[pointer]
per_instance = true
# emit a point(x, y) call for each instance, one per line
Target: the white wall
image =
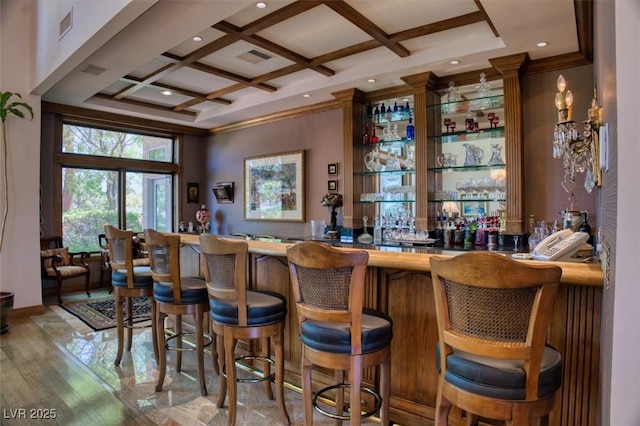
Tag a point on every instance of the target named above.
point(20, 256)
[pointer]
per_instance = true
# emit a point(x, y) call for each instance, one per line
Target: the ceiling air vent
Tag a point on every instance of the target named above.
point(93, 70)
point(254, 56)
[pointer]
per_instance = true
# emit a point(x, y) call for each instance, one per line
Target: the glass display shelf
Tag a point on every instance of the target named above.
point(387, 201)
point(464, 200)
point(464, 136)
point(385, 172)
point(390, 117)
point(470, 105)
point(482, 167)
point(397, 143)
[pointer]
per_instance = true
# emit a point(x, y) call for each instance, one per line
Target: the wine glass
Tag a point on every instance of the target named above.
point(516, 238)
point(453, 126)
point(447, 123)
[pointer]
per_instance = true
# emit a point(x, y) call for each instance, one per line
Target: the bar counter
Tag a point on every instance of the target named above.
point(399, 283)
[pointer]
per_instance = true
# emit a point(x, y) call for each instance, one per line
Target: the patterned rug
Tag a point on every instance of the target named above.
point(100, 314)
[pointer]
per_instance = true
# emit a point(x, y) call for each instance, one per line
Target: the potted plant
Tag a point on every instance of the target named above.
point(10, 104)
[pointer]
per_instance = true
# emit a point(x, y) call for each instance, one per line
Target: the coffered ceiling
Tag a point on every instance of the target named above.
point(253, 61)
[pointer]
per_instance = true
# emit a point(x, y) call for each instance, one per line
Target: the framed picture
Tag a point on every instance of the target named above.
point(223, 191)
point(332, 185)
point(274, 187)
point(193, 192)
point(473, 208)
point(332, 169)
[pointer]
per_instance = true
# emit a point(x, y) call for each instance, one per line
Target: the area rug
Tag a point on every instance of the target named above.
point(100, 314)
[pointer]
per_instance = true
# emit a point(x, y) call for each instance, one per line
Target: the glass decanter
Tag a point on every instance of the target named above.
point(365, 237)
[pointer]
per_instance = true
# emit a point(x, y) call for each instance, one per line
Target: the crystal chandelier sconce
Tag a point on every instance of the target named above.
point(578, 152)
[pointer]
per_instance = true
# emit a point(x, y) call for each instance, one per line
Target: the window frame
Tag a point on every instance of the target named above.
point(172, 167)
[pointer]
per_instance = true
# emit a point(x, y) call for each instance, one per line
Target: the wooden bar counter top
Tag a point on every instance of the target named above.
point(399, 283)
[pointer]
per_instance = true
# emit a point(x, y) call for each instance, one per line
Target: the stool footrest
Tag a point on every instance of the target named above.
point(324, 412)
point(257, 379)
point(207, 337)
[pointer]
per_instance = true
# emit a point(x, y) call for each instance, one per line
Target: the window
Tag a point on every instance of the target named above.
point(132, 189)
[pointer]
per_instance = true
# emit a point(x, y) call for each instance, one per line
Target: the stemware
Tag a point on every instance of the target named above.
point(447, 123)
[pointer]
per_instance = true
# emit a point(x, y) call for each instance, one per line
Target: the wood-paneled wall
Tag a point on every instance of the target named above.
point(405, 293)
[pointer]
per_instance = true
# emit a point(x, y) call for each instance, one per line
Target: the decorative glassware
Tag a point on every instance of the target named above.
point(203, 216)
point(496, 155)
point(365, 237)
point(411, 130)
point(366, 138)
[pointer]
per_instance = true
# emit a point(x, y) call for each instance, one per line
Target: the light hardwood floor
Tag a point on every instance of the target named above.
point(54, 364)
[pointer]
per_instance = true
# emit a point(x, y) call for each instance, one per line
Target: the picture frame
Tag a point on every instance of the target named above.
point(193, 192)
point(223, 191)
point(474, 208)
point(274, 187)
point(332, 185)
point(332, 169)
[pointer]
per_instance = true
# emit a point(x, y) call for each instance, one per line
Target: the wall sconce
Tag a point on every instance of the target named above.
point(579, 153)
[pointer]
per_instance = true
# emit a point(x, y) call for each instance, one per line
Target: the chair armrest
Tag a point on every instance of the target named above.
point(54, 259)
point(84, 256)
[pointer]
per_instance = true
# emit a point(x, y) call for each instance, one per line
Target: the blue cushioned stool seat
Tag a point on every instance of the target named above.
point(192, 290)
point(504, 379)
point(141, 277)
point(336, 338)
point(263, 307)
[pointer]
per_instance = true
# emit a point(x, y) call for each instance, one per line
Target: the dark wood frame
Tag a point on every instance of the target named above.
point(193, 198)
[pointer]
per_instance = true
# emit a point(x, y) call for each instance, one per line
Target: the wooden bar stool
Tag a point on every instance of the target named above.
point(493, 314)
point(176, 295)
point(128, 281)
point(336, 331)
point(239, 313)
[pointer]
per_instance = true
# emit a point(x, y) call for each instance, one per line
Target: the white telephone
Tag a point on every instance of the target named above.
point(560, 246)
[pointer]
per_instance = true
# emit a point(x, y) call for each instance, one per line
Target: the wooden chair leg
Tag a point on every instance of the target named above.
point(307, 393)
point(443, 406)
point(339, 378)
point(199, 319)
point(162, 351)
point(129, 303)
point(154, 329)
point(278, 341)
point(120, 327)
point(222, 359)
point(232, 385)
point(86, 284)
point(266, 366)
point(385, 391)
point(178, 329)
point(356, 381)
point(214, 347)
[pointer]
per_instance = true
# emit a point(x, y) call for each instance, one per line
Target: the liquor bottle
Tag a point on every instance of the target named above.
point(374, 138)
point(377, 231)
point(366, 138)
point(411, 131)
point(585, 227)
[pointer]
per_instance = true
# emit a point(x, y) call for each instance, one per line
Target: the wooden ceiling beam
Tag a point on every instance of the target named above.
point(359, 20)
point(273, 47)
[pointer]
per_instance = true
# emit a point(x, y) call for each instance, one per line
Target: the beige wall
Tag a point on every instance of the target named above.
point(20, 255)
point(320, 135)
point(544, 196)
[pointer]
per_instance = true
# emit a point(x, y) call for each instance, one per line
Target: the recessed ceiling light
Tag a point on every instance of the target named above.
point(306, 95)
point(542, 44)
point(454, 62)
point(167, 92)
point(196, 38)
point(372, 80)
point(261, 5)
